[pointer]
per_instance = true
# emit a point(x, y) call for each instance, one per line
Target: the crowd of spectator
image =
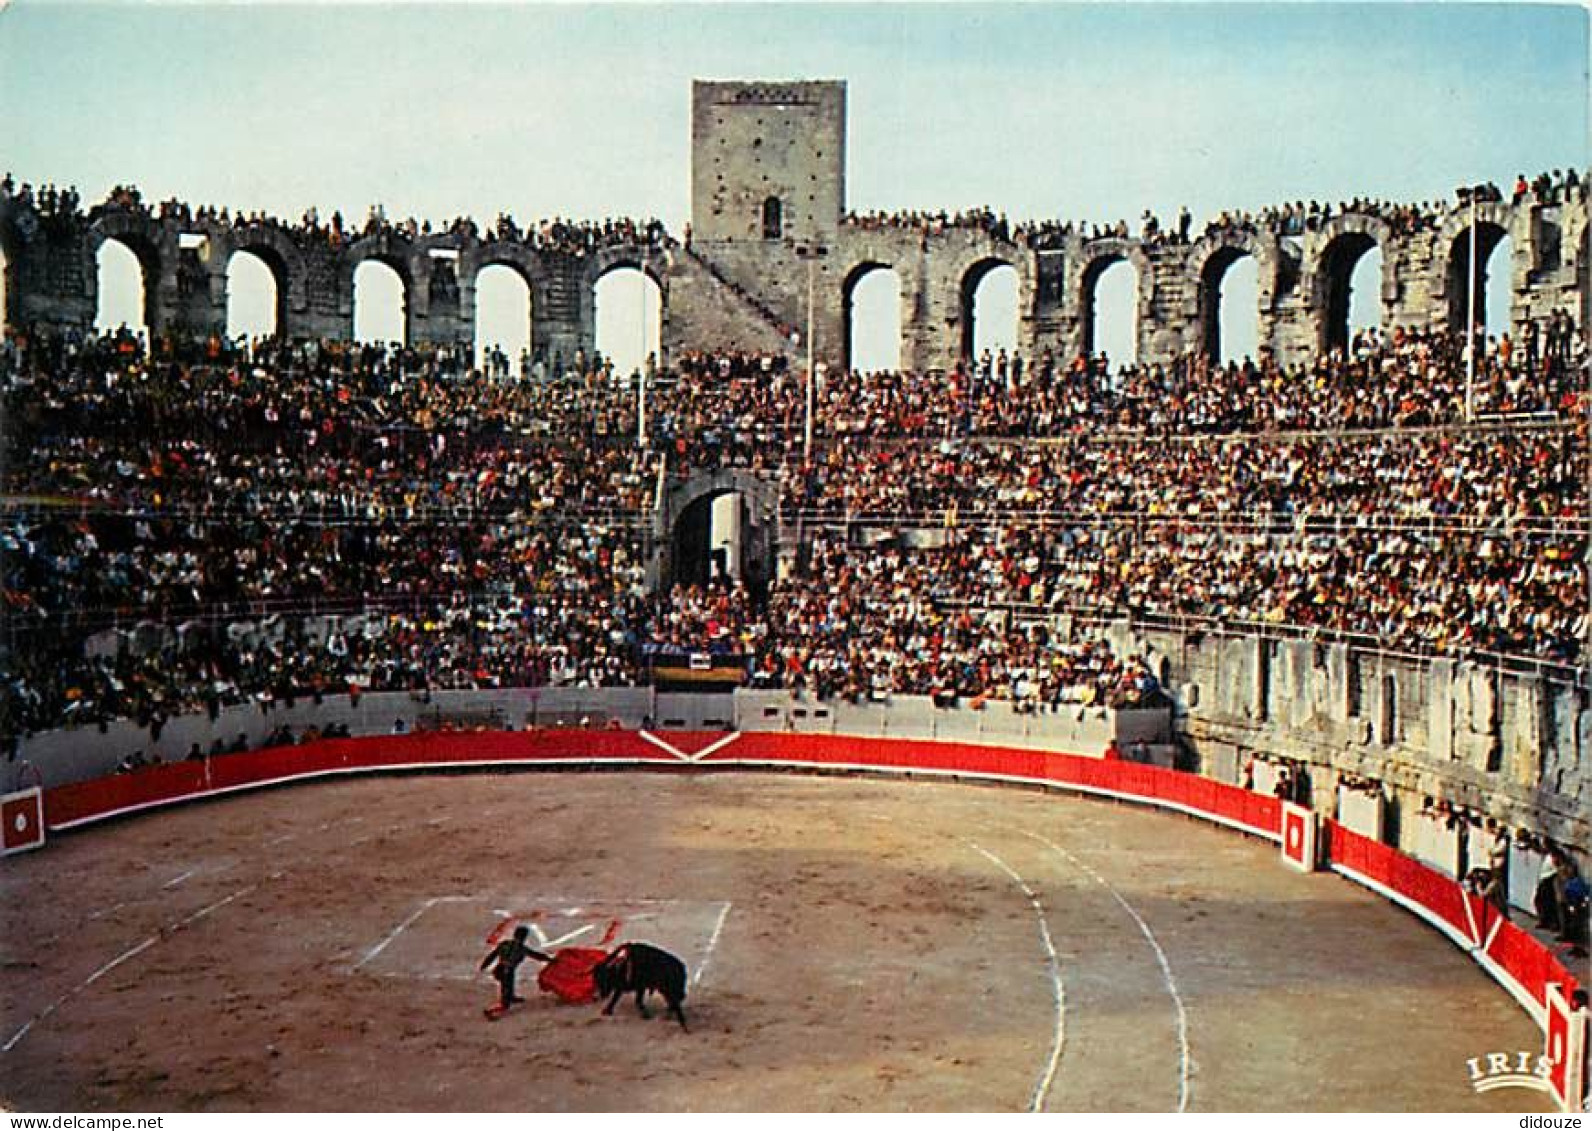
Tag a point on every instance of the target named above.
point(1509, 478)
point(1291, 219)
point(488, 531)
point(559, 236)
point(867, 623)
point(1404, 378)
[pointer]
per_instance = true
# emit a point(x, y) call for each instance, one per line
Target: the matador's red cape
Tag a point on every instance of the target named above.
point(569, 975)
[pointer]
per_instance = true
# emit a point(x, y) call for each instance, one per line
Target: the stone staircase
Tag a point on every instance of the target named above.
point(719, 314)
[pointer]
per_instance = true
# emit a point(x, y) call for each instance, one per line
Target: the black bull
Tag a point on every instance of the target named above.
point(643, 969)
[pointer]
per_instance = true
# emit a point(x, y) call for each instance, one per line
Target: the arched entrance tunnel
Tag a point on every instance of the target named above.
point(707, 541)
point(719, 528)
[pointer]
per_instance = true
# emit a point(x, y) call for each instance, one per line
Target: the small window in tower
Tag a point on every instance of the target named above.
point(772, 218)
point(757, 143)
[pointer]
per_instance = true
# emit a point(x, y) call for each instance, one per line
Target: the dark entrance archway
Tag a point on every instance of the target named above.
point(704, 551)
point(691, 548)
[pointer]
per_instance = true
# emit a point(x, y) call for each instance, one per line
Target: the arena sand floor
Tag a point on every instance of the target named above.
point(853, 944)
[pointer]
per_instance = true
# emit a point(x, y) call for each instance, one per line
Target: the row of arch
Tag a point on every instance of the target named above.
point(1352, 279)
point(628, 304)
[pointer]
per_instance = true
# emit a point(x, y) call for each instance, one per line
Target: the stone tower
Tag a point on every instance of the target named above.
point(768, 160)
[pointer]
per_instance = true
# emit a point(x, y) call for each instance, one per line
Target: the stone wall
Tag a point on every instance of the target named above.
point(735, 281)
point(768, 160)
point(1515, 744)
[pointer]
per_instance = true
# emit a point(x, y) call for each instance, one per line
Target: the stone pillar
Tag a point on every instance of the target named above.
point(1440, 710)
point(1335, 702)
point(1524, 726)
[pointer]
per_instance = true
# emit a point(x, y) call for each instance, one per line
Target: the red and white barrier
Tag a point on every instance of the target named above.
point(1526, 968)
point(1298, 837)
point(1566, 1050)
point(22, 819)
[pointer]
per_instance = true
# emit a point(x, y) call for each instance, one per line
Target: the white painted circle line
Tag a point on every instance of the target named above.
point(713, 942)
point(1058, 988)
point(1184, 1059)
point(131, 952)
point(396, 931)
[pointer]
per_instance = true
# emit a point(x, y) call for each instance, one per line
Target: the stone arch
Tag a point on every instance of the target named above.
point(522, 260)
point(1207, 264)
point(652, 263)
point(386, 247)
point(1097, 257)
point(1332, 257)
point(971, 276)
point(1457, 223)
point(374, 252)
point(141, 235)
point(282, 257)
point(1494, 223)
point(510, 320)
point(848, 287)
point(242, 270)
point(649, 261)
point(760, 536)
point(391, 250)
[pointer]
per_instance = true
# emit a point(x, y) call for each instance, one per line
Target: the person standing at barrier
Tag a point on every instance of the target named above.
point(1565, 872)
point(1488, 885)
point(1498, 863)
point(1575, 914)
point(1547, 900)
point(508, 955)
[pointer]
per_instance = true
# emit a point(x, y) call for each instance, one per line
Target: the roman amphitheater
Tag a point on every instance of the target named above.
point(1022, 732)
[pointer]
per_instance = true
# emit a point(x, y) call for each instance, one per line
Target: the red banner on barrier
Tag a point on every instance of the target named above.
point(153, 785)
point(1439, 894)
point(162, 785)
point(1529, 962)
point(1252, 811)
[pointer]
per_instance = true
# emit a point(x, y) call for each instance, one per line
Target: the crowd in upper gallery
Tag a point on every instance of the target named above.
point(1290, 219)
point(572, 237)
point(557, 235)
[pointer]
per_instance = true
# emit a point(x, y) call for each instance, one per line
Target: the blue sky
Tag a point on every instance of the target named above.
point(1087, 111)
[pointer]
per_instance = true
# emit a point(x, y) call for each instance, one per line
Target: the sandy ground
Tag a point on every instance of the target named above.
point(853, 943)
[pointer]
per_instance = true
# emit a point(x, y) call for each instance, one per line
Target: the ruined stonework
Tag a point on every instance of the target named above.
point(768, 160)
point(768, 172)
point(1512, 742)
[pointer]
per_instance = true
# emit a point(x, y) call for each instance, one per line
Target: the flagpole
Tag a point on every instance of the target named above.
point(1470, 319)
point(811, 253)
point(641, 365)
